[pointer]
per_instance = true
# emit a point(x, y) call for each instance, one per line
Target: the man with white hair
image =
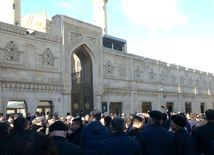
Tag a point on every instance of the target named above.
point(39, 125)
point(58, 131)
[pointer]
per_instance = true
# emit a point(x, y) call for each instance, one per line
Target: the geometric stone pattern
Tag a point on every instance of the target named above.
point(48, 58)
point(109, 67)
point(11, 52)
point(74, 35)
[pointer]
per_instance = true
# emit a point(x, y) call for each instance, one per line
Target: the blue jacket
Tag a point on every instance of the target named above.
point(119, 143)
point(92, 134)
point(155, 139)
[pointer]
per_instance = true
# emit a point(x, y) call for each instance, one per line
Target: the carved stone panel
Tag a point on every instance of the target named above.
point(11, 52)
point(48, 58)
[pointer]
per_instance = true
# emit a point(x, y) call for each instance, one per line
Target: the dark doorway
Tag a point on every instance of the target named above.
point(115, 108)
point(45, 106)
point(169, 106)
point(146, 106)
point(202, 108)
point(82, 82)
point(188, 107)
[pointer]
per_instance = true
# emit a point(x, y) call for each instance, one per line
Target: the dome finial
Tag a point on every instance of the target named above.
point(44, 12)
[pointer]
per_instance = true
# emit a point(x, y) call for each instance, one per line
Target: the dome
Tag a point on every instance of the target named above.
point(39, 22)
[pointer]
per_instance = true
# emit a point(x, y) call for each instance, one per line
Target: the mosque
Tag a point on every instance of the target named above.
point(61, 64)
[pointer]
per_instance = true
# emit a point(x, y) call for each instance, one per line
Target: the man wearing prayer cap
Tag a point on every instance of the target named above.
point(155, 139)
point(58, 132)
point(183, 142)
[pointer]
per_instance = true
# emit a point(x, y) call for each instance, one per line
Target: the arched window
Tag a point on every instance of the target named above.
point(48, 58)
point(11, 52)
point(17, 107)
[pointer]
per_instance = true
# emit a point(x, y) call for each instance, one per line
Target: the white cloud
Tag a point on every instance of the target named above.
point(154, 14)
point(75, 8)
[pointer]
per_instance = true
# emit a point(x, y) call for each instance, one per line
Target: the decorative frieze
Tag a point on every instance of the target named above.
point(48, 38)
point(12, 30)
point(30, 87)
point(37, 34)
point(108, 91)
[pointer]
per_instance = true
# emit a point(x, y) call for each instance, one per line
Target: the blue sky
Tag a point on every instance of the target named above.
point(174, 31)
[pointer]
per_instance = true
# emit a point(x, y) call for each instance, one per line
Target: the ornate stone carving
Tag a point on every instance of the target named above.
point(182, 79)
point(108, 91)
point(48, 58)
point(173, 77)
point(49, 38)
point(11, 52)
point(74, 35)
point(162, 75)
point(94, 40)
point(12, 30)
point(197, 82)
point(152, 74)
point(122, 69)
point(137, 72)
point(190, 81)
point(109, 67)
point(31, 87)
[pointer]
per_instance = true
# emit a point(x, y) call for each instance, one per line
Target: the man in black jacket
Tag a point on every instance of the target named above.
point(58, 133)
point(205, 135)
point(183, 142)
point(119, 143)
point(155, 139)
point(76, 127)
point(4, 131)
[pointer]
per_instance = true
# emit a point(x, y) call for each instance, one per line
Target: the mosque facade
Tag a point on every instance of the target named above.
point(61, 64)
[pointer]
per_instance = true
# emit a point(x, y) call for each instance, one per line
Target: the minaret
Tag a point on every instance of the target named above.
point(10, 11)
point(99, 14)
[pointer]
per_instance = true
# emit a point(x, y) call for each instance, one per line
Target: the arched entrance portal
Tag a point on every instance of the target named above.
point(82, 83)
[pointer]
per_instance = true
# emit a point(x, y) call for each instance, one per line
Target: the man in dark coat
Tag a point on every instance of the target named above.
point(58, 134)
point(183, 142)
point(4, 131)
point(107, 121)
point(119, 143)
point(205, 135)
point(155, 139)
point(136, 127)
point(76, 127)
point(166, 122)
point(93, 133)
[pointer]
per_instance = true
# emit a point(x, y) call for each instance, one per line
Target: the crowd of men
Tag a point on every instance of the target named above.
point(152, 133)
